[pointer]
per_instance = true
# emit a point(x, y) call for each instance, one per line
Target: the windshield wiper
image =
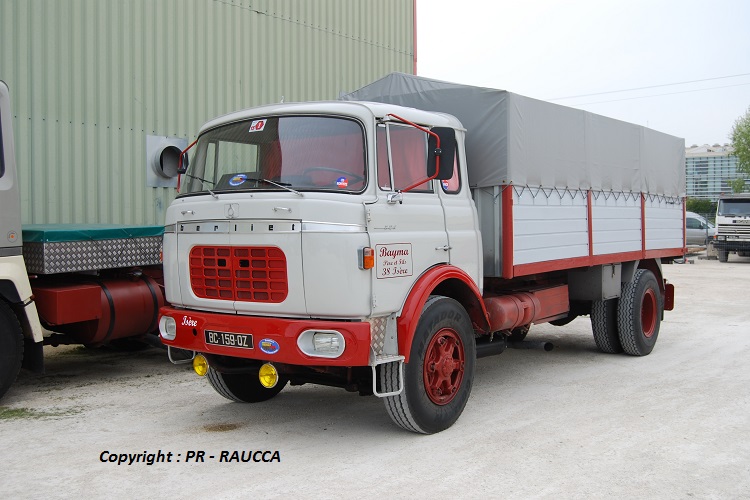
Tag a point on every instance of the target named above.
point(282, 186)
point(204, 182)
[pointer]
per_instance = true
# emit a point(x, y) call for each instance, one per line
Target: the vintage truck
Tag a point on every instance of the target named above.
point(383, 242)
point(89, 284)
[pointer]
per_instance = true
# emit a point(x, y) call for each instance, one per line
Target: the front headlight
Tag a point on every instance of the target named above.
point(167, 328)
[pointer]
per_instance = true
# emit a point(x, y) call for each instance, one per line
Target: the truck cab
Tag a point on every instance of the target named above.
point(732, 226)
point(299, 232)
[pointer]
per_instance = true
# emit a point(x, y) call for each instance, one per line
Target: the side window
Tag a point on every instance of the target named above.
point(452, 185)
point(384, 173)
point(409, 157)
point(2, 150)
point(692, 223)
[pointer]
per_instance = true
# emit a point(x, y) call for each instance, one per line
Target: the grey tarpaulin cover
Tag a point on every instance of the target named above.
point(512, 139)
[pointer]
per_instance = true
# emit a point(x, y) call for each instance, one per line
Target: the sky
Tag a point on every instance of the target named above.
point(555, 49)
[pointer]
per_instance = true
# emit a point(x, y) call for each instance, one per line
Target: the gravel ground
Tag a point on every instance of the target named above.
point(568, 423)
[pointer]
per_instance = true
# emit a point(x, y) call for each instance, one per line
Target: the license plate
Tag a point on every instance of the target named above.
point(227, 339)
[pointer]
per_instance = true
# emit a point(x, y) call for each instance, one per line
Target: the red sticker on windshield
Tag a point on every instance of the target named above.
point(342, 182)
point(257, 125)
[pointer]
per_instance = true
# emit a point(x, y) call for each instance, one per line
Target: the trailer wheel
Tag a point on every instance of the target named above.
point(604, 326)
point(243, 387)
point(440, 372)
point(11, 347)
point(639, 313)
point(723, 255)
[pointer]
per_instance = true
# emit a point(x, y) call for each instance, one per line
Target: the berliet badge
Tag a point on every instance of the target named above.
point(232, 210)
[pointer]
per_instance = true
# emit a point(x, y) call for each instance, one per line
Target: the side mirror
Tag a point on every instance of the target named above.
point(182, 166)
point(446, 154)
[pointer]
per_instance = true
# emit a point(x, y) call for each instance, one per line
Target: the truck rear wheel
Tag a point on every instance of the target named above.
point(440, 371)
point(639, 313)
point(11, 347)
point(243, 387)
point(604, 326)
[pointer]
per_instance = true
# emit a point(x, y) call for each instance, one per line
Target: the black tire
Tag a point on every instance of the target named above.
point(443, 357)
point(243, 387)
point(11, 347)
point(723, 255)
point(604, 326)
point(639, 313)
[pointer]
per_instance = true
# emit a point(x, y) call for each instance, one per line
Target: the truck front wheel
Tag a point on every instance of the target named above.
point(639, 313)
point(11, 347)
point(243, 387)
point(723, 255)
point(440, 371)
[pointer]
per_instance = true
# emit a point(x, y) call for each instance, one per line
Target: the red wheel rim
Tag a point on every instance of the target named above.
point(443, 366)
point(648, 313)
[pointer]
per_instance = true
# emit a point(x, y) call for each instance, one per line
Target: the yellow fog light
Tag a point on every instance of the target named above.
point(200, 365)
point(268, 376)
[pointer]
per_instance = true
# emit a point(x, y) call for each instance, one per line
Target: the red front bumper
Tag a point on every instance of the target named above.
point(191, 327)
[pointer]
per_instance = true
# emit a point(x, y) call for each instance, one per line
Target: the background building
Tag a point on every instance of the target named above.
point(94, 82)
point(709, 170)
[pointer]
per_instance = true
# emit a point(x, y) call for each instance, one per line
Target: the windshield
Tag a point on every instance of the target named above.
point(734, 207)
point(293, 153)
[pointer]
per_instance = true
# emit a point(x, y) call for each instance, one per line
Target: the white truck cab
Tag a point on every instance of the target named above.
point(732, 226)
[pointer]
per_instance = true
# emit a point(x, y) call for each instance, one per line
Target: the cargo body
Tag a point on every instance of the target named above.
point(384, 242)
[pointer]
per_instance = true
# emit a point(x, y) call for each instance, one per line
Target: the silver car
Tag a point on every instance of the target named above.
point(697, 229)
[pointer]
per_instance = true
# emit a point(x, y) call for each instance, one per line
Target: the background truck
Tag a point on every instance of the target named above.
point(74, 283)
point(383, 247)
point(732, 226)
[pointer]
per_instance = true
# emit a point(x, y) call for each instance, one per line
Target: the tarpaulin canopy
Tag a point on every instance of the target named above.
point(512, 139)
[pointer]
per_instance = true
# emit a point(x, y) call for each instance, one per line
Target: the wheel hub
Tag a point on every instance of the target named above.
point(649, 310)
point(443, 366)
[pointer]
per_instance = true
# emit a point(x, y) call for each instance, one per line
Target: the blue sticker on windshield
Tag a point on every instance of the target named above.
point(342, 182)
point(237, 180)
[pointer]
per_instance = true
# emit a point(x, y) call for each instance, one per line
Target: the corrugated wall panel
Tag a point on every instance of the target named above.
point(90, 79)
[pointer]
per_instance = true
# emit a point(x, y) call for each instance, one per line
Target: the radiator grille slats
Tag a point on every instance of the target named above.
point(246, 274)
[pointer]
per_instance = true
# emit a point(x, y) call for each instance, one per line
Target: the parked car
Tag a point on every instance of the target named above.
point(697, 229)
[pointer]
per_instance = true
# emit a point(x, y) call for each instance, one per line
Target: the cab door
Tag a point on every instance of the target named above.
point(10, 205)
point(406, 229)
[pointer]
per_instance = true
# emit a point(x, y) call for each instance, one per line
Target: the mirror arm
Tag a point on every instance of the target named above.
point(438, 151)
point(180, 170)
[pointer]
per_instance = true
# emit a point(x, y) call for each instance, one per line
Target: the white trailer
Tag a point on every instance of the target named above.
point(384, 242)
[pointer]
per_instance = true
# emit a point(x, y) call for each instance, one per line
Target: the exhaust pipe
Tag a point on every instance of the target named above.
point(492, 346)
point(531, 344)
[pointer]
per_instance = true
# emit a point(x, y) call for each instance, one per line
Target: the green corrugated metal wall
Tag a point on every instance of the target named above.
point(90, 79)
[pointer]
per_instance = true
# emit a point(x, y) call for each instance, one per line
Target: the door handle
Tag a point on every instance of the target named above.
point(444, 247)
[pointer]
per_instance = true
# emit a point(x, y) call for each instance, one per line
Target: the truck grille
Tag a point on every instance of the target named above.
point(738, 229)
point(247, 274)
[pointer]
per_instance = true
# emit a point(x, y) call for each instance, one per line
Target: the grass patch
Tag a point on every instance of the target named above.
point(28, 413)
